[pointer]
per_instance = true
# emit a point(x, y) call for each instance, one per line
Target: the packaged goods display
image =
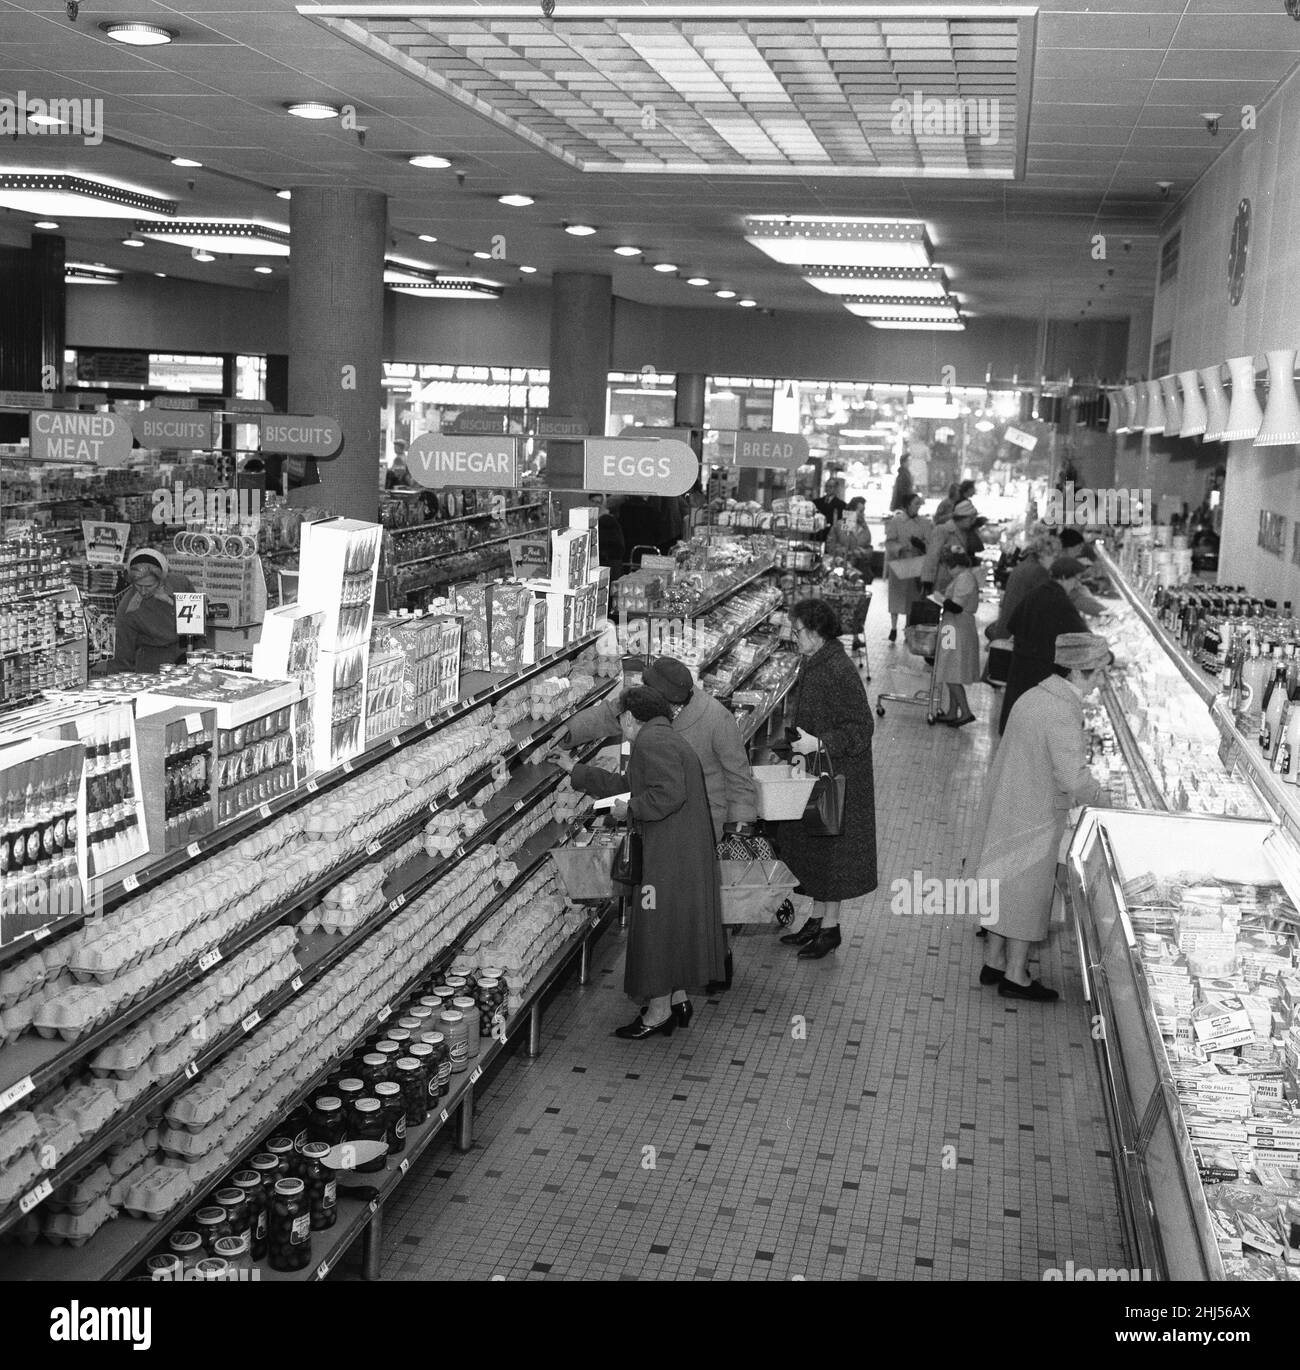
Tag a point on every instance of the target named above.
point(43, 642)
point(383, 694)
point(39, 870)
point(338, 567)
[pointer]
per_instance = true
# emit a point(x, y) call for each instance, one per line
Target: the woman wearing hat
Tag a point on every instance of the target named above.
point(906, 540)
point(675, 936)
point(956, 532)
point(1037, 621)
point(146, 614)
point(957, 662)
point(1039, 774)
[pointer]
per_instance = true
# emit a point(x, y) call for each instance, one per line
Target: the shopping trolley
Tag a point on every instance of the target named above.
point(922, 638)
point(850, 599)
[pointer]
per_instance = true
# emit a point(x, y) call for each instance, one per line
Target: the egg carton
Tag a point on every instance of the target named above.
point(17, 1175)
point(17, 1019)
point(152, 1191)
point(21, 979)
point(73, 1013)
point(77, 1194)
point(68, 1229)
point(87, 1106)
point(17, 1132)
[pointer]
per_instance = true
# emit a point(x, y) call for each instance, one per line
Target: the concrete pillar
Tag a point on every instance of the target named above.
point(582, 326)
point(32, 317)
point(336, 326)
point(688, 412)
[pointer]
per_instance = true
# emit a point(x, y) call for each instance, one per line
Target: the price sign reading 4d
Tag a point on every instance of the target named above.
point(191, 618)
point(437, 460)
point(638, 466)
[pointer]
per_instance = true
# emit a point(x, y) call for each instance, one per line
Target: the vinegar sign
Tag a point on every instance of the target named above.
point(436, 460)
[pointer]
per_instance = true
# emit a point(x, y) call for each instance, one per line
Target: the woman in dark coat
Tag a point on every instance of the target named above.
point(831, 708)
point(675, 937)
point(1035, 624)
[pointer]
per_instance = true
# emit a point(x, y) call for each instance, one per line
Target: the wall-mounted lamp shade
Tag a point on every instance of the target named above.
point(1112, 411)
point(1138, 423)
point(1128, 410)
point(1216, 403)
point(1173, 406)
point(1194, 415)
point(1244, 414)
point(1282, 412)
point(1155, 408)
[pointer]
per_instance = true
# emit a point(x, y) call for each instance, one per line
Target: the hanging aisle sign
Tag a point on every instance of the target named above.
point(638, 466)
point(760, 448)
point(475, 422)
point(298, 435)
point(175, 430)
point(437, 460)
point(67, 435)
point(557, 426)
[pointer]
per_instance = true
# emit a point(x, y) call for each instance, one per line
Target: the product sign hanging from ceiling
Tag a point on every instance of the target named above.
point(638, 466)
point(437, 460)
point(298, 435)
point(760, 448)
point(175, 430)
point(70, 436)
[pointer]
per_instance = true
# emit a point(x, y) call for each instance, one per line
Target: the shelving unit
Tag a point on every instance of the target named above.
point(462, 518)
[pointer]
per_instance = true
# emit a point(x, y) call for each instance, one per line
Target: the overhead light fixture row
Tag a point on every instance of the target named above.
point(923, 282)
point(628, 251)
point(185, 162)
point(239, 236)
point(429, 161)
point(52, 194)
point(828, 240)
point(451, 288)
point(920, 325)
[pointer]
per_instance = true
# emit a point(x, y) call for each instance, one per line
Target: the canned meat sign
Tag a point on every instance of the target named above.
point(437, 460)
point(96, 439)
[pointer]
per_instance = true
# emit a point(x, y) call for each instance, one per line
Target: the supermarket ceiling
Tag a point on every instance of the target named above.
point(1015, 132)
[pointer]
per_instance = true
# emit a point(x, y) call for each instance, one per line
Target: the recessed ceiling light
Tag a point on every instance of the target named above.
point(312, 109)
point(284, 194)
point(516, 201)
point(725, 294)
point(42, 120)
point(427, 238)
point(185, 161)
point(698, 280)
point(132, 242)
point(139, 35)
point(628, 251)
point(45, 223)
point(665, 267)
point(528, 270)
point(429, 161)
point(263, 270)
point(222, 235)
point(484, 256)
point(162, 275)
point(204, 257)
point(579, 230)
point(48, 193)
point(747, 304)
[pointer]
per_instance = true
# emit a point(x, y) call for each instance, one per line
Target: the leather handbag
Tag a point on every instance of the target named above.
point(628, 860)
point(823, 815)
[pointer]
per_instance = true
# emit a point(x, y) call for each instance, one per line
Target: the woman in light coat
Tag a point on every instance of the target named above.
point(1039, 774)
point(957, 660)
point(907, 536)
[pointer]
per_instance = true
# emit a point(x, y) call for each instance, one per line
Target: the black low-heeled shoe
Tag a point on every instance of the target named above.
point(636, 1030)
point(717, 986)
point(827, 940)
point(683, 1012)
point(804, 935)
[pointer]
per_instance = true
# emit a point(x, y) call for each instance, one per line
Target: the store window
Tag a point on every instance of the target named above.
point(185, 373)
point(1169, 254)
point(646, 399)
point(1160, 355)
point(250, 377)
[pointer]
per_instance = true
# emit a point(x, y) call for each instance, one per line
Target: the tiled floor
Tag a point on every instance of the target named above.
point(923, 1128)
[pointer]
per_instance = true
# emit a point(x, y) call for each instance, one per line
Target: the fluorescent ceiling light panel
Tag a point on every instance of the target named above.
point(54, 195)
point(452, 288)
point(921, 283)
point(236, 236)
point(628, 251)
point(898, 307)
point(919, 325)
point(823, 240)
point(579, 230)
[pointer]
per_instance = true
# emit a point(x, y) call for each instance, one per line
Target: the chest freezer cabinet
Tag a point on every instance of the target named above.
point(1166, 1216)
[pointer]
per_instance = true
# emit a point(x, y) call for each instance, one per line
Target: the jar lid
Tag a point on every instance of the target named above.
point(492, 972)
point(388, 1088)
point(429, 1001)
point(387, 1047)
point(408, 1023)
point(373, 1058)
point(213, 1268)
point(367, 1105)
point(168, 1260)
point(452, 1015)
point(184, 1242)
point(463, 1001)
point(288, 1187)
point(456, 982)
point(489, 982)
point(400, 1035)
point(230, 1246)
point(248, 1179)
point(327, 1103)
point(409, 1062)
point(314, 1151)
point(226, 1197)
point(278, 1145)
point(435, 1039)
point(421, 1011)
point(264, 1162)
point(208, 1216)
point(351, 1085)
point(443, 993)
point(419, 1050)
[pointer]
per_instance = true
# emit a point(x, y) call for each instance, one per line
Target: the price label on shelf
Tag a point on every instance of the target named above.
point(459, 852)
point(40, 933)
point(398, 901)
point(347, 768)
point(519, 804)
point(191, 1070)
point(374, 1205)
point(405, 1166)
point(265, 811)
point(395, 742)
point(452, 793)
point(20, 1089)
point(209, 958)
point(296, 984)
point(35, 1196)
point(132, 883)
point(442, 1117)
point(193, 723)
point(385, 1012)
point(193, 849)
point(475, 1074)
point(312, 786)
point(251, 1021)
point(595, 921)
point(374, 847)
point(322, 1270)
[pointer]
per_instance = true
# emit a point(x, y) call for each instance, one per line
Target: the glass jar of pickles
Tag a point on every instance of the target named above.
point(466, 1006)
point(491, 999)
point(210, 1223)
point(321, 1187)
point(234, 1202)
point(452, 1024)
point(440, 1068)
point(349, 1090)
point(375, 1066)
point(267, 1169)
point(367, 1125)
point(328, 1122)
point(255, 1198)
point(282, 1149)
point(289, 1233)
point(413, 1077)
point(393, 1107)
point(187, 1246)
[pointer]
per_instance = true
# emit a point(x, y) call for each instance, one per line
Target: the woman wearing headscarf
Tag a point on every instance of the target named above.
point(1039, 774)
point(906, 539)
point(831, 714)
point(675, 936)
point(957, 658)
point(146, 636)
point(1038, 620)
